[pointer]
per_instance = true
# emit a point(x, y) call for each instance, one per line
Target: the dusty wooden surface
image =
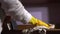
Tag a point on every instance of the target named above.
point(21, 27)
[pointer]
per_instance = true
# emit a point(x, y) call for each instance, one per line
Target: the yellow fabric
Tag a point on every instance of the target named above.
point(37, 22)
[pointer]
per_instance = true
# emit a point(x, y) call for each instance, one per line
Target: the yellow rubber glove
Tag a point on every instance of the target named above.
point(37, 22)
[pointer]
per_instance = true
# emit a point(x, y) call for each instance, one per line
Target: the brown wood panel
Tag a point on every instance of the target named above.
point(21, 27)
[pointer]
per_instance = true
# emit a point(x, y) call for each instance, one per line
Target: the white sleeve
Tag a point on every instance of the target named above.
point(15, 9)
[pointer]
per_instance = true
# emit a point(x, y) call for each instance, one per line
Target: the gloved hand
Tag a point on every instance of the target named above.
point(37, 22)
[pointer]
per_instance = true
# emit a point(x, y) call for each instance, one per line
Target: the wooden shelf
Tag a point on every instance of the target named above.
point(21, 27)
point(54, 30)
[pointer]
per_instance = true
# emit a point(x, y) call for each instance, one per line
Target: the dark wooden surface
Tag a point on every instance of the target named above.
point(21, 27)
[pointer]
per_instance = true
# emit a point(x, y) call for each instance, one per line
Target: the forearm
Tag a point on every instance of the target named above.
point(15, 9)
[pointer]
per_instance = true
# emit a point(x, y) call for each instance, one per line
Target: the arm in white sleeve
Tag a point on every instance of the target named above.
point(15, 9)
